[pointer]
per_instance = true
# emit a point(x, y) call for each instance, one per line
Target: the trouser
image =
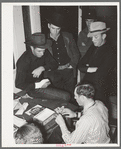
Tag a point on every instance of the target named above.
point(62, 79)
point(50, 93)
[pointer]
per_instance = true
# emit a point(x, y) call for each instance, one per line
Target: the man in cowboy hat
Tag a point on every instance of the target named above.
point(98, 61)
point(65, 52)
point(33, 64)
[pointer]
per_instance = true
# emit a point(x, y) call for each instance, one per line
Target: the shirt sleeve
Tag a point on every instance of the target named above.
point(50, 63)
point(21, 75)
point(75, 52)
point(82, 65)
point(78, 136)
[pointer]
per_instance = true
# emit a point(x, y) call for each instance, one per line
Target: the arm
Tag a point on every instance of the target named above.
point(83, 64)
point(75, 52)
point(50, 63)
point(21, 75)
point(79, 134)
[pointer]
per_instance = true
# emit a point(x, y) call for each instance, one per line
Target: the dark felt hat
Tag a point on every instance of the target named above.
point(56, 19)
point(90, 14)
point(39, 40)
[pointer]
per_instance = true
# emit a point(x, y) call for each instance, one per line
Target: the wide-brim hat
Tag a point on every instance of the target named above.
point(96, 28)
point(39, 40)
point(56, 19)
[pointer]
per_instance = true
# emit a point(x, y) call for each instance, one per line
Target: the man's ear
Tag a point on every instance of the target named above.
point(49, 25)
point(104, 36)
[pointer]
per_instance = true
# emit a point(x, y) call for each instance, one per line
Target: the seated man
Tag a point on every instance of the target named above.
point(29, 134)
point(32, 66)
point(92, 126)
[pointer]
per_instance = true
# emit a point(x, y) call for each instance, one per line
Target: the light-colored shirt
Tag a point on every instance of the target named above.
point(91, 128)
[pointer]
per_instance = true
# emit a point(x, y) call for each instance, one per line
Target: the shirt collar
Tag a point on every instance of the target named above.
point(33, 57)
point(88, 106)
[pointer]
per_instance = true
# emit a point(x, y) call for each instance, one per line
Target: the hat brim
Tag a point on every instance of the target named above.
point(44, 46)
point(98, 32)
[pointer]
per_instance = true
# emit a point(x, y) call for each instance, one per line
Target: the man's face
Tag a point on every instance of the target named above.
point(38, 52)
point(54, 30)
point(98, 39)
point(88, 22)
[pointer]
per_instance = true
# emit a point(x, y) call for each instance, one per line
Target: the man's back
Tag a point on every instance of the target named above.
point(95, 125)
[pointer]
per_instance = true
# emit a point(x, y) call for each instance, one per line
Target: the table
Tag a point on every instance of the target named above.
point(51, 104)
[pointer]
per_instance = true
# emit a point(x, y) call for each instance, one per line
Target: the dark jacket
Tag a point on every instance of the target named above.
point(27, 63)
point(101, 57)
point(72, 50)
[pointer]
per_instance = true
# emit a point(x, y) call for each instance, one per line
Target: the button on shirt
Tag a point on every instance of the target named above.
point(91, 128)
point(60, 52)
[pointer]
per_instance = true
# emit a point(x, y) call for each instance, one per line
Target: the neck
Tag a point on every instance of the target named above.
point(89, 104)
point(102, 43)
point(54, 37)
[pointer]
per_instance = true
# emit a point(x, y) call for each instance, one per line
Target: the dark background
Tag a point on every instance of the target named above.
point(107, 14)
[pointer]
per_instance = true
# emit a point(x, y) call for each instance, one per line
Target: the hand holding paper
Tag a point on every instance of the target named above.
point(42, 84)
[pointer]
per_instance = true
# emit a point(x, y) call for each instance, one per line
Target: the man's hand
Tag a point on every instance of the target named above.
point(59, 120)
point(42, 84)
point(37, 72)
point(68, 113)
point(92, 69)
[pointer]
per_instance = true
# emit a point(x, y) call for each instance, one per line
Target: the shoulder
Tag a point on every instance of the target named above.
point(24, 58)
point(67, 34)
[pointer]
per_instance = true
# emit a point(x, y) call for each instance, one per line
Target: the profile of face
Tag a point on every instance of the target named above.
point(98, 39)
point(54, 30)
point(88, 22)
point(38, 52)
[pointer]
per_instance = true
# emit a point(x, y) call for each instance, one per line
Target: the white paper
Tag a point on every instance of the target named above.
point(44, 114)
point(42, 82)
point(18, 121)
point(22, 108)
point(16, 104)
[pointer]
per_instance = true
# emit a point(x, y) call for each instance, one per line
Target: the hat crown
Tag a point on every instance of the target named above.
point(38, 39)
point(97, 26)
point(56, 19)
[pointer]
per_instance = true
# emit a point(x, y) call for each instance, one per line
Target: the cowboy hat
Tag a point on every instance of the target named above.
point(56, 19)
point(38, 40)
point(96, 28)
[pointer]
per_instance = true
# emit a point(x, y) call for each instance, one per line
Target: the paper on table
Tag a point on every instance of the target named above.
point(22, 108)
point(16, 104)
point(18, 121)
point(44, 114)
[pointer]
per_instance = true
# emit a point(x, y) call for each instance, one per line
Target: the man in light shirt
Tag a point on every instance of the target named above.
point(92, 126)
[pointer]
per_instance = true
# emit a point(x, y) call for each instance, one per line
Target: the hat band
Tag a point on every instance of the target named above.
point(98, 30)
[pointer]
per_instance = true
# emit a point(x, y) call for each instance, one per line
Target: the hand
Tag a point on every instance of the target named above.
point(70, 67)
point(59, 109)
point(46, 84)
point(83, 44)
point(69, 113)
point(92, 69)
point(59, 120)
point(37, 72)
point(42, 85)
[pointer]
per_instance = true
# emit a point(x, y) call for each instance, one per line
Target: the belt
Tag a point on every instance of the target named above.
point(63, 66)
